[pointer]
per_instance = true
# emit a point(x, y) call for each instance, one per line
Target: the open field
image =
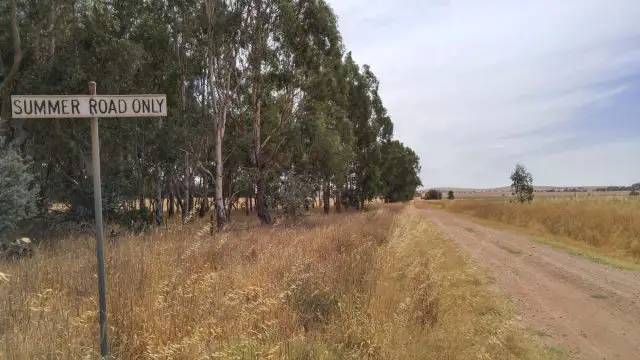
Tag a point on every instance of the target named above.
point(506, 195)
point(607, 226)
point(584, 309)
point(384, 284)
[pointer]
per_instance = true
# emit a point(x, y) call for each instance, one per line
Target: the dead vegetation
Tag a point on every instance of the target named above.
point(377, 285)
point(609, 226)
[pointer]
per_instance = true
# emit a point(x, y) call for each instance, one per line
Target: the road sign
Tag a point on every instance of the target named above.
point(87, 106)
point(91, 106)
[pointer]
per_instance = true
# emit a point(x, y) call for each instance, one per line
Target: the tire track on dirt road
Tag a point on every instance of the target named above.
point(591, 310)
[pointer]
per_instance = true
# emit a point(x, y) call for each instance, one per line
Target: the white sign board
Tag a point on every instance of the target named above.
point(87, 106)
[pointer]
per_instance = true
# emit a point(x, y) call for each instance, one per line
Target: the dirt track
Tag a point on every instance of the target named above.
point(592, 311)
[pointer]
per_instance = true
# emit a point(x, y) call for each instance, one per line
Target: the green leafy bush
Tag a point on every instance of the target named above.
point(433, 194)
point(18, 191)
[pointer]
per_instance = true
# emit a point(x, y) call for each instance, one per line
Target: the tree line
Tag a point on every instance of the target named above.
point(264, 104)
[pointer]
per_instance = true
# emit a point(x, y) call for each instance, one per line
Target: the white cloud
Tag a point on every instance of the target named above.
point(459, 78)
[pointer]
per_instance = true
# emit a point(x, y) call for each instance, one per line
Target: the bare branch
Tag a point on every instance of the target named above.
point(203, 168)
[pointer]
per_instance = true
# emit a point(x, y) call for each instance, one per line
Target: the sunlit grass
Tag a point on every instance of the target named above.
point(604, 226)
point(384, 284)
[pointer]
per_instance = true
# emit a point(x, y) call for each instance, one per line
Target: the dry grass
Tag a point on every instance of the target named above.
point(611, 226)
point(378, 285)
point(506, 195)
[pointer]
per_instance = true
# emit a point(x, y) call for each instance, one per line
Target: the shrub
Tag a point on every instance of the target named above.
point(433, 194)
point(450, 195)
point(136, 220)
point(18, 193)
point(293, 193)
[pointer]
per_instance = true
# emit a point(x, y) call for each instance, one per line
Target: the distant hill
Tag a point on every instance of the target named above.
point(635, 186)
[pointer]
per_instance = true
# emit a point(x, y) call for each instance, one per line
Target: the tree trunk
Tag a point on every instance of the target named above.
point(7, 84)
point(261, 201)
point(159, 199)
point(231, 200)
point(184, 206)
point(261, 204)
point(230, 206)
point(339, 200)
point(171, 203)
point(221, 218)
point(204, 204)
point(140, 150)
point(179, 204)
point(187, 195)
point(326, 196)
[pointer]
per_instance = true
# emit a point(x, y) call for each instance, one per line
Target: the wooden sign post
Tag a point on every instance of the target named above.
point(91, 106)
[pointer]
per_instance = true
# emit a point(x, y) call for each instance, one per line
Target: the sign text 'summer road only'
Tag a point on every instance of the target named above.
point(91, 106)
point(71, 106)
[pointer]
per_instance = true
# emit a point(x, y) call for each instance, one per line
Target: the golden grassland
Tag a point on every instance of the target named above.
point(608, 226)
point(506, 195)
point(383, 284)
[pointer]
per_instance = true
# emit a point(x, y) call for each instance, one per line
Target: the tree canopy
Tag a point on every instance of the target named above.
point(433, 194)
point(522, 184)
point(450, 195)
point(260, 93)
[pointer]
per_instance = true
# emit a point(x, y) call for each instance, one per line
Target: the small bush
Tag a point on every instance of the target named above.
point(18, 192)
point(136, 220)
point(433, 194)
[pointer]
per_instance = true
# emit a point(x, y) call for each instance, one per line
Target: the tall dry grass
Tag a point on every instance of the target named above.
point(378, 285)
point(611, 225)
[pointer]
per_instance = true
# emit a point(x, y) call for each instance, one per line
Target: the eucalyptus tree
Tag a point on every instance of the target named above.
point(225, 64)
point(401, 166)
point(263, 103)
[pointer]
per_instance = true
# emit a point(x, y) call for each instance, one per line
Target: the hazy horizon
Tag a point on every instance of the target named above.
point(475, 87)
point(536, 186)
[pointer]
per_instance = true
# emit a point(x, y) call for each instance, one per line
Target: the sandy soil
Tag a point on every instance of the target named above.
point(590, 310)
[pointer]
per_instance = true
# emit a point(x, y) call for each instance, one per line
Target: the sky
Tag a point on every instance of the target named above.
point(476, 86)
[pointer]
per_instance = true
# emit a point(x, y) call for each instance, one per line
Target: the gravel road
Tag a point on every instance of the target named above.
point(590, 310)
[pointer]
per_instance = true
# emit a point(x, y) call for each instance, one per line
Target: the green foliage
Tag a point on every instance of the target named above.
point(293, 192)
point(18, 192)
point(136, 220)
point(278, 72)
point(522, 184)
point(433, 194)
point(450, 195)
point(401, 167)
